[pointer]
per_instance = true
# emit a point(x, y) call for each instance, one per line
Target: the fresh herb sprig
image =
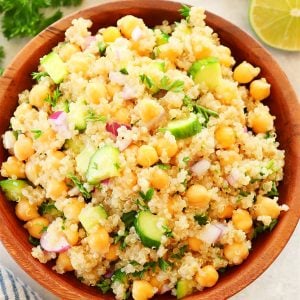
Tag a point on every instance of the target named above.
point(52, 99)
point(260, 227)
point(185, 11)
point(201, 219)
point(85, 193)
point(38, 75)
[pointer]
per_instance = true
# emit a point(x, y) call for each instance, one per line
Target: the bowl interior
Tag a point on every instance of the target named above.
point(283, 105)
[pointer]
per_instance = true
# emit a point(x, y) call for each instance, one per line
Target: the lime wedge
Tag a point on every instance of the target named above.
point(277, 22)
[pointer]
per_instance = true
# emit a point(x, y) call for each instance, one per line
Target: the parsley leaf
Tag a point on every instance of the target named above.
point(175, 86)
point(124, 71)
point(52, 100)
point(49, 208)
point(185, 11)
point(273, 192)
point(168, 232)
point(128, 219)
point(186, 159)
point(148, 196)
point(205, 112)
point(260, 228)
point(164, 265)
point(164, 166)
point(93, 117)
point(244, 194)
point(36, 133)
point(201, 219)
point(33, 241)
point(85, 193)
point(180, 252)
point(147, 81)
point(119, 276)
point(2, 55)
point(38, 75)
point(104, 285)
point(102, 48)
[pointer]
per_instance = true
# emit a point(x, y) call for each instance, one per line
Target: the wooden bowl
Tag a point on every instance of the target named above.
point(283, 104)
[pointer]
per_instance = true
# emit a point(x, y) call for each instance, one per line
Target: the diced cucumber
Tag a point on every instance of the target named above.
point(183, 288)
point(206, 71)
point(91, 216)
point(77, 115)
point(83, 159)
point(12, 188)
point(159, 65)
point(153, 72)
point(104, 163)
point(162, 38)
point(55, 67)
point(185, 128)
point(74, 144)
point(147, 227)
point(49, 209)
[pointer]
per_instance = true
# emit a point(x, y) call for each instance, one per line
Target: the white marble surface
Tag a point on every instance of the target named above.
point(281, 280)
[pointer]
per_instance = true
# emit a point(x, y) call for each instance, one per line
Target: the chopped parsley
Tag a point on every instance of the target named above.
point(128, 219)
point(168, 232)
point(186, 159)
point(93, 117)
point(180, 252)
point(205, 112)
point(38, 75)
point(33, 241)
point(185, 11)
point(85, 193)
point(102, 48)
point(164, 265)
point(49, 208)
point(52, 100)
point(201, 219)
point(119, 276)
point(175, 86)
point(147, 81)
point(273, 192)
point(36, 133)
point(124, 71)
point(148, 195)
point(260, 227)
point(164, 166)
point(244, 194)
point(104, 285)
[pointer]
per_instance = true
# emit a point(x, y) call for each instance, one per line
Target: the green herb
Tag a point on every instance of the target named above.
point(185, 11)
point(222, 270)
point(85, 193)
point(164, 166)
point(52, 100)
point(36, 133)
point(148, 196)
point(260, 227)
point(244, 194)
point(121, 239)
point(66, 106)
point(38, 75)
point(93, 117)
point(147, 81)
point(44, 229)
point(175, 86)
point(124, 71)
point(168, 232)
point(273, 192)
point(164, 265)
point(49, 208)
point(201, 219)
point(186, 159)
point(141, 204)
point(147, 266)
point(128, 219)
point(269, 134)
point(165, 36)
point(16, 133)
point(2, 55)
point(104, 285)
point(119, 276)
point(102, 48)
point(188, 102)
point(33, 241)
point(253, 180)
point(180, 252)
point(205, 112)
point(117, 166)
point(22, 18)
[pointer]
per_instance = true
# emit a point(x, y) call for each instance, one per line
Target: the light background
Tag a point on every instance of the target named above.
point(281, 280)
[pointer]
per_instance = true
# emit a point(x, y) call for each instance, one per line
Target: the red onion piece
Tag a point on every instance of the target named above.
point(114, 126)
point(88, 40)
point(201, 167)
point(109, 274)
point(128, 93)
point(105, 181)
point(233, 177)
point(54, 242)
point(55, 115)
point(117, 77)
point(210, 234)
point(59, 123)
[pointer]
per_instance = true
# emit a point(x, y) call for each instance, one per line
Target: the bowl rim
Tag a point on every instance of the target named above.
point(235, 282)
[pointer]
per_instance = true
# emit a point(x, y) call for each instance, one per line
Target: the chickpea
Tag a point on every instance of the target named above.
point(226, 213)
point(229, 157)
point(23, 147)
point(207, 276)
point(13, 168)
point(265, 206)
point(245, 72)
point(110, 34)
point(226, 91)
point(95, 91)
point(171, 205)
point(55, 158)
point(73, 208)
point(99, 240)
point(25, 211)
point(122, 115)
point(200, 49)
point(128, 23)
point(67, 50)
point(47, 136)
point(157, 283)
point(261, 121)
point(38, 94)
point(260, 89)
point(63, 262)
point(112, 253)
point(159, 179)
point(197, 195)
point(166, 51)
point(37, 226)
point(71, 235)
point(146, 156)
point(236, 253)
point(194, 244)
point(32, 170)
point(56, 189)
point(79, 63)
point(165, 146)
point(225, 137)
point(149, 110)
point(242, 220)
point(142, 290)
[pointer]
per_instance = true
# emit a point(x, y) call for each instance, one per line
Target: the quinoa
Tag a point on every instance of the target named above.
point(210, 191)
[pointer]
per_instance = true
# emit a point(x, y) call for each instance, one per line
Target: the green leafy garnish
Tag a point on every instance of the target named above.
point(186, 159)
point(2, 55)
point(52, 100)
point(201, 219)
point(49, 208)
point(168, 232)
point(175, 86)
point(66, 106)
point(205, 112)
point(93, 117)
point(104, 285)
point(128, 219)
point(22, 18)
point(148, 195)
point(164, 166)
point(33, 241)
point(273, 192)
point(260, 227)
point(147, 81)
point(85, 193)
point(244, 194)
point(119, 276)
point(180, 252)
point(164, 265)
point(102, 48)
point(185, 11)
point(36, 133)
point(147, 266)
point(38, 75)
point(124, 71)
point(269, 134)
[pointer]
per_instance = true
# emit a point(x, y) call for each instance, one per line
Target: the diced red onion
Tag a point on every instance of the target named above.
point(55, 115)
point(59, 123)
point(245, 129)
point(165, 288)
point(109, 274)
point(117, 77)
point(222, 227)
point(88, 40)
point(137, 33)
point(210, 234)
point(128, 92)
point(233, 177)
point(114, 126)
point(54, 242)
point(105, 181)
point(201, 167)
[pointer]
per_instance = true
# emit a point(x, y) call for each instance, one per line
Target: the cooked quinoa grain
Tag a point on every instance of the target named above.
point(143, 159)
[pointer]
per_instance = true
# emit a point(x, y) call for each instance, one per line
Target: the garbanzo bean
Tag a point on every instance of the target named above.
point(37, 226)
point(159, 178)
point(110, 34)
point(236, 253)
point(56, 189)
point(147, 156)
point(241, 219)
point(260, 89)
point(194, 244)
point(142, 290)
point(25, 211)
point(166, 147)
point(73, 208)
point(225, 137)
point(63, 262)
point(99, 240)
point(13, 168)
point(23, 147)
point(207, 276)
point(265, 206)
point(245, 72)
point(197, 195)
point(128, 23)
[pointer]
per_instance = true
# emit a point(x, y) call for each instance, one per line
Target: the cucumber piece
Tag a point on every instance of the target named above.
point(183, 288)
point(55, 67)
point(162, 38)
point(185, 128)
point(12, 188)
point(206, 71)
point(74, 144)
point(104, 163)
point(146, 226)
point(83, 159)
point(77, 115)
point(91, 216)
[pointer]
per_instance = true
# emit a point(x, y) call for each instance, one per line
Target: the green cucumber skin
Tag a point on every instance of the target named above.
point(90, 216)
point(12, 188)
point(103, 164)
point(55, 67)
point(83, 159)
point(78, 114)
point(183, 288)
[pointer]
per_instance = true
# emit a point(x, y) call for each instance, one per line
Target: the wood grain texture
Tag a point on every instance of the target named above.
point(283, 104)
